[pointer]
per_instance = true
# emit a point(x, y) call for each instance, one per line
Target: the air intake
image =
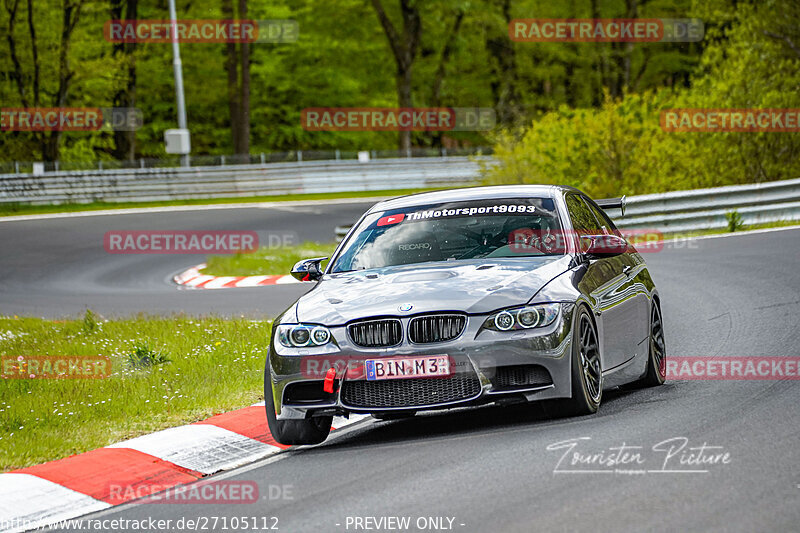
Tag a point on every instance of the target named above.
point(435, 328)
point(376, 333)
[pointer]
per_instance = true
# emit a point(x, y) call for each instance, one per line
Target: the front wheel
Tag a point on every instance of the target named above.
point(290, 432)
point(587, 371)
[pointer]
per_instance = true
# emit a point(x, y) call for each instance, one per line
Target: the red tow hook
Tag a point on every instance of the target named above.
point(330, 375)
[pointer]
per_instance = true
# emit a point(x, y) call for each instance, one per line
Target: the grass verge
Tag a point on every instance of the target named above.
point(718, 231)
point(164, 372)
point(266, 260)
point(23, 209)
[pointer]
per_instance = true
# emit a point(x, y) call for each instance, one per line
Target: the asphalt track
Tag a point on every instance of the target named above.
point(55, 267)
point(488, 469)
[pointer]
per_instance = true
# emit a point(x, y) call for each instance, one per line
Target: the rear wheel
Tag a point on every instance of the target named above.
point(657, 357)
point(587, 371)
point(306, 431)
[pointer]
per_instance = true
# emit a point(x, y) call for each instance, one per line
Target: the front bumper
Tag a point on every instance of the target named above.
point(489, 366)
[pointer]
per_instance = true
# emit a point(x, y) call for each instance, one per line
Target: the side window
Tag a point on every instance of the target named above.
point(583, 221)
point(602, 217)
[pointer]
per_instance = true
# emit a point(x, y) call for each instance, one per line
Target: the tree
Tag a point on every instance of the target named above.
point(237, 68)
point(125, 94)
point(404, 48)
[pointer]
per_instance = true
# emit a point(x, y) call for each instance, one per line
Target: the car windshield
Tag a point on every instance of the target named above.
point(451, 231)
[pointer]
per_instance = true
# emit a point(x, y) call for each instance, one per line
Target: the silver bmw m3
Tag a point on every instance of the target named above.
point(462, 297)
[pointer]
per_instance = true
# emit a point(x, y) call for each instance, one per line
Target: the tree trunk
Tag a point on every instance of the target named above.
point(404, 101)
point(72, 13)
point(633, 12)
point(125, 141)
point(404, 49)
point(19, 78)
point(34, 53)
point(504, 79)
point(231, 68)
point(244, 102)
point(447, 51)
point(597, 93)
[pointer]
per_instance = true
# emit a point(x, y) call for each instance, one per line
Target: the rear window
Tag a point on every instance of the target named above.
point(452, 231)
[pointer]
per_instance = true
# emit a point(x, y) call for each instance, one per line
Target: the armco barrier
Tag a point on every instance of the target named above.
point(669, 212)
point(163, 184)
point(681, 211)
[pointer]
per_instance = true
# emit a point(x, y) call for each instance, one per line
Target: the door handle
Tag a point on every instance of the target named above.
point(627, 270)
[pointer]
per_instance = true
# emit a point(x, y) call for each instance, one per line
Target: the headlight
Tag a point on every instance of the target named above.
point(531, 316)
point(299, 335)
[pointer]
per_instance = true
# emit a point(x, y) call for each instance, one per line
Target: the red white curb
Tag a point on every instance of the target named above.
point(195, 279)
point(45, 494)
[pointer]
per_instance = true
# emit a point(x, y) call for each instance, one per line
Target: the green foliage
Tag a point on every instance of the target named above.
point(89, 321)
point(585, 114)
point(619, 148)
point(735, 221)
point(342, 58)
point(143, 356)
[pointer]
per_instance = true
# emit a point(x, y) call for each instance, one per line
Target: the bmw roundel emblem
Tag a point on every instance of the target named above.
point(405, 308)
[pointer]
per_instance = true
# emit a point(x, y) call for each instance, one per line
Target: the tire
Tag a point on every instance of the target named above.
point(587, 374)
point(293, 432)
point(656, 372)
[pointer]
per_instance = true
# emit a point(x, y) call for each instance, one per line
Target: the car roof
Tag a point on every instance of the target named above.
point(471, 193)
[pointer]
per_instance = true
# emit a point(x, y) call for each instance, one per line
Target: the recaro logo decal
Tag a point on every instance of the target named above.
point(414, 246)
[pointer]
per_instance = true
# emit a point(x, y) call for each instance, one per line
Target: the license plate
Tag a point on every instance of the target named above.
point(407, 367)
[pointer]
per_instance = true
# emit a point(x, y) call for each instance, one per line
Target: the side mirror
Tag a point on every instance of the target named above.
point(605, 246)
point(308, 269)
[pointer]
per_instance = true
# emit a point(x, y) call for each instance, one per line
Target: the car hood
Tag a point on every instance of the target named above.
point(470, 286)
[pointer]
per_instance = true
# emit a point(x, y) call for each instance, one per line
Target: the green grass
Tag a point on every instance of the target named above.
point(165, 372)
point(265, 260)
point(21, 209)
point(717, 231)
